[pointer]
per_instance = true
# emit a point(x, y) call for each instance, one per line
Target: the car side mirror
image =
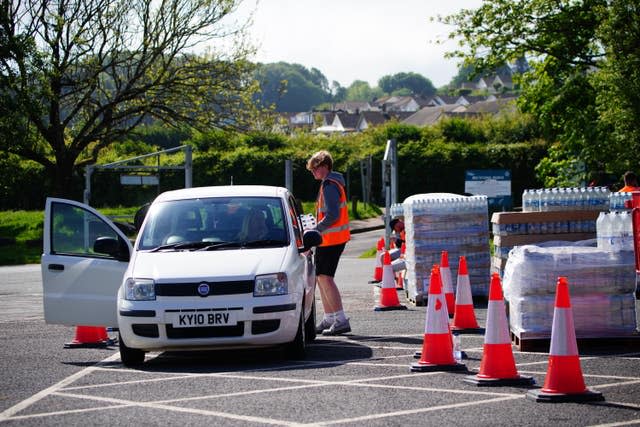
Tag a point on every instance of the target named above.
point(112, 247)
point(311, 238)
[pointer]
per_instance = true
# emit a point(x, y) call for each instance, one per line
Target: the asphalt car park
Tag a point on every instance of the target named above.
point(362, 378)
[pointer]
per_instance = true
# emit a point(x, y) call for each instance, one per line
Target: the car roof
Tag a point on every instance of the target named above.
point(223, 191)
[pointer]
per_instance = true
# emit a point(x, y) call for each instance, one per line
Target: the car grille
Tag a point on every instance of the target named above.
point(215, 288)
point(206, 332)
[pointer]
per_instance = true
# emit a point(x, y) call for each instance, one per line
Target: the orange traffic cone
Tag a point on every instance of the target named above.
point(464, 319)
point(90, 337)
point(377, 272)
point(498, 366)
point(437, 347)
point(388, 294)
point(400, 281)
point(564, 381)
point(447, 283)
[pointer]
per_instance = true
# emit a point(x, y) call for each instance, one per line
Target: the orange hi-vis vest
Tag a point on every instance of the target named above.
point(338, 232)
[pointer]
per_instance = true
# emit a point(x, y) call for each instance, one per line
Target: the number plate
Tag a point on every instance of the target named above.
point(202, 319)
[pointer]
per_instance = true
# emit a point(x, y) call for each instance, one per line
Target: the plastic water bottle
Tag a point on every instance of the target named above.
point(600, 230)
point(527, 200)
point(457, 347)
point(626, 231)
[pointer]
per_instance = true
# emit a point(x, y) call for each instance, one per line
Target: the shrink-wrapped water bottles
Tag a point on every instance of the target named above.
point(614, 231)
point(442, 221)
point(565, 199)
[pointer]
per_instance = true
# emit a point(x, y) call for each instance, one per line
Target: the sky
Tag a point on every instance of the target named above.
point(351, 40)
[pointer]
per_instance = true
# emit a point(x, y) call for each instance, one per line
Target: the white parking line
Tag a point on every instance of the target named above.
point(413, 411)
point(67, 389)
point(8, 413)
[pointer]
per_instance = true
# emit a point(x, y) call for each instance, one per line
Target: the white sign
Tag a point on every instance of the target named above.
point(139, 180)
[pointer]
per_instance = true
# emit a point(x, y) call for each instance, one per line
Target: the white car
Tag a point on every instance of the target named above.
point(211, 267)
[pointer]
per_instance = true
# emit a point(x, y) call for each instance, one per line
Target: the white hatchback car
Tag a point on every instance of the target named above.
point(212, 267)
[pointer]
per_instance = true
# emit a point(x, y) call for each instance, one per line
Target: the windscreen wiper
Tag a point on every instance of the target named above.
point(219, 245)
point(180, 246)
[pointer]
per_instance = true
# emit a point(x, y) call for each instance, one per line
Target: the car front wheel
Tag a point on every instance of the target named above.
point(310, 324)
point(130, 356)
point(296, 349)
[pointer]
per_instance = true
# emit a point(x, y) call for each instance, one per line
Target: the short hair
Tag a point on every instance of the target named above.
point(393, 222)
point(320, 158)
point(630, 178)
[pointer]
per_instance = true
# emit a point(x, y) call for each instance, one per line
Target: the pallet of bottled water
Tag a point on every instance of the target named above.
point(601, 284)
point(436, 222)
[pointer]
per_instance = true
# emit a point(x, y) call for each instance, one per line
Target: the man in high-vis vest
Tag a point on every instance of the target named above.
point(630, 183)
point(333, 224)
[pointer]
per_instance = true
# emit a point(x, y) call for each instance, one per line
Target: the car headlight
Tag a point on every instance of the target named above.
point(271, 284)
point(139, 289)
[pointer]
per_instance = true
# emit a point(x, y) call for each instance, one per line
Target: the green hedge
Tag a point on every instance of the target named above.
point(431, 159)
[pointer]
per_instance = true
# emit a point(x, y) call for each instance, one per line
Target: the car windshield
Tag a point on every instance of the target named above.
point(214, 224)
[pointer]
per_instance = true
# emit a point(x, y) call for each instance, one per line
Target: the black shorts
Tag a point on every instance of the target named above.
point(327, 258)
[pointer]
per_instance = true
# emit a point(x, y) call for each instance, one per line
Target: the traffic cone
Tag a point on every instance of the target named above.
point(400, 281)
point(377, 272)
point(564, 381)
point(464, 319)
point(437, 346)
point(388, 294)
point(90, 337)
point(498, 366)
point(447, 285)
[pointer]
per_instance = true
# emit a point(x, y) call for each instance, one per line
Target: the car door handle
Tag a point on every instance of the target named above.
point(56, 267)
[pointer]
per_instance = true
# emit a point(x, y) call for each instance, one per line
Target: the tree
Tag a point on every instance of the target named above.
point(413, 82)
point(360, 90)
point(618, 84)
point(79, 74)
point(582, 82)
point(291, 87)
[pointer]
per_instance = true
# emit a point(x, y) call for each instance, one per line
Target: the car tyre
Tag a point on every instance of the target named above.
point(130, 356)
point(296, 349)
point(310, 324)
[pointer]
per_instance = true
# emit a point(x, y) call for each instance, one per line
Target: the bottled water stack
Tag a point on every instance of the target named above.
point(617, 200)
point(442, 221)
point(565, 199)
point(396, 210)
point(602, 284)
point(614, 231)
point(308, 222)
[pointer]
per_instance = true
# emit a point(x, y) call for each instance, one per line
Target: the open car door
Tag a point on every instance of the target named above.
point(80, 277)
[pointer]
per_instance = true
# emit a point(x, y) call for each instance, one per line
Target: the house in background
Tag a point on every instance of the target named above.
point(375, 118)
point(428, 116)
point(353, 107)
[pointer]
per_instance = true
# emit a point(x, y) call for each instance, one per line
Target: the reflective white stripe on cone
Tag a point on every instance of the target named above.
point(388, 294)
point(464, 319)
point(564, 381)
point(437, 347)
point(498, 366)
point(447, 282)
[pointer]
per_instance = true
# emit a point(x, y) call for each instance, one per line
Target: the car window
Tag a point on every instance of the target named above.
point(295, 220)
point(74, 230)
point(215, 220)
